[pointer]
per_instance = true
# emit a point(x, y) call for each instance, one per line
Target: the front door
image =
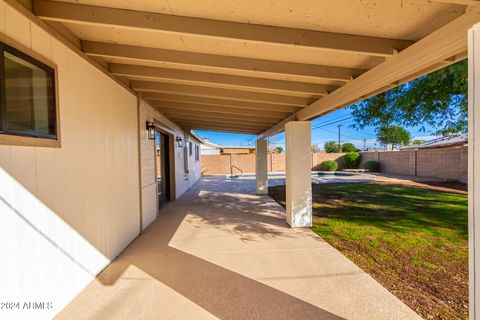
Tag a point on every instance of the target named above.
point(162, 168)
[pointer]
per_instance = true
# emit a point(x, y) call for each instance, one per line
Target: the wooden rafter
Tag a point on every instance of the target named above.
point(220, 63)
point(80, 13)
point(219, 80)
point(198, 91)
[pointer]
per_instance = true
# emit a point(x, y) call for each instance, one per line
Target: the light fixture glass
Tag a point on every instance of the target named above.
point(150, 130)
point(179, 142)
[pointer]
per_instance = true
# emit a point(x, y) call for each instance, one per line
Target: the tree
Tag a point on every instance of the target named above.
point(314, 148)
point(347, 147)
point(393, 135)
point(438, 99)
point(417, 142)
point(331, 147)
point(279, 149)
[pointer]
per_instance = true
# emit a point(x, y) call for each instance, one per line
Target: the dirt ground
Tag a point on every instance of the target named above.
point(447, 186)
point(436, 288)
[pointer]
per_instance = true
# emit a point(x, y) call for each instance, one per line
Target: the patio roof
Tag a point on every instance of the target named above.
point(250, 67)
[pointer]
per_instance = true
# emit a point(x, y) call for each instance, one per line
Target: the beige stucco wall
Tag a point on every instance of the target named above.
point(66, 212)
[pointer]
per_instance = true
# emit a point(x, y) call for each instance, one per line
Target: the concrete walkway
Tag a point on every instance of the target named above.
point(221, 251)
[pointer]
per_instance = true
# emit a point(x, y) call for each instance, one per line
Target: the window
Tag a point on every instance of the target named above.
point(27, 95)
point(197, 152)
point(190, 151)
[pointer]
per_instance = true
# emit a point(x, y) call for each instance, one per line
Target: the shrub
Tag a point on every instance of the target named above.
point(331, 147)
point(329, 165)
point(372, 165)
point(347, 147)
point(351, 159)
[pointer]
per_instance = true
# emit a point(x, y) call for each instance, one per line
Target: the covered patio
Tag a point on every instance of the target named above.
point(127, 69)
point(221, 251)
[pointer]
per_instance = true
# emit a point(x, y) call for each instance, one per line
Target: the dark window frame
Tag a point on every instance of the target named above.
point(52, 105)
point(197, 152)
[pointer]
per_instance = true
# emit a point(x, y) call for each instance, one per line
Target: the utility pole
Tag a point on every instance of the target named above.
point(339, 146)
point(364, 144)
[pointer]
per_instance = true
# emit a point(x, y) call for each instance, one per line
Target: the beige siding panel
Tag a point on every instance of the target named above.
point(183, 181)
point(149, 205)
point(2, 17)
point(41, 41)
point(68, 211)
point(17, 26)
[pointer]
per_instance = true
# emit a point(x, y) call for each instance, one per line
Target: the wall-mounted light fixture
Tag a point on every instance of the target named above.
point(179, 142)
point(150, 130)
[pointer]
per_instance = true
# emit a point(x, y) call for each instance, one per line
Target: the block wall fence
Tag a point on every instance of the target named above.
point(221, 164)
point(441, 163)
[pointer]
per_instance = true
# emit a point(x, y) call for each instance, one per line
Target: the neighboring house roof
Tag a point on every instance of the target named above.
point(197, 137)
point(453, 140)
point(207, 143)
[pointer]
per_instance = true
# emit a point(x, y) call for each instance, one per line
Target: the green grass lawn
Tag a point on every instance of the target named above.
point(412, 240)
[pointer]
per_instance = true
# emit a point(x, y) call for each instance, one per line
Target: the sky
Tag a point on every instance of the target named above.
point(324, 128)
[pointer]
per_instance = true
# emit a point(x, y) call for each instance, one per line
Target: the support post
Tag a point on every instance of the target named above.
point(474, 170)
point(261, 166)
point(298, 178)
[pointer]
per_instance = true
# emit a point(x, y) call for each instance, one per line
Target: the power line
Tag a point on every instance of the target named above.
point(345, 135)
point(325, 124)
point(333, 119)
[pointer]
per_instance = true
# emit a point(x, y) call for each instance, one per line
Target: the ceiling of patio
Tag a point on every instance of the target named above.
point(244, 66)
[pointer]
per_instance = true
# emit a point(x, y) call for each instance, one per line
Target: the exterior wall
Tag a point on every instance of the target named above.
point(147, 166)
point(220, 164)
point(66, 212)
point(194, 166)
point(183, 181)
point(442, 163)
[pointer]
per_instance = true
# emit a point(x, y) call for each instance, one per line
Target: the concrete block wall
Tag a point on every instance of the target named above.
point(397, 162)
point(220, 164)
point(447, 163)
point(441, 163)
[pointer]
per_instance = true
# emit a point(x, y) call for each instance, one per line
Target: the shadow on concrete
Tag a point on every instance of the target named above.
point(222, 292)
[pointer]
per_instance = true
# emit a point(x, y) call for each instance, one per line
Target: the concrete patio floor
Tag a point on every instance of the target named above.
point(221, 251)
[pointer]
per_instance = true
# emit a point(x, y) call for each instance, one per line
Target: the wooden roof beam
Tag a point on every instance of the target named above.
point(221, 64)
point(180, 99)
point(218, 115)
point(197, 91)
point(139, 20)
point(221, 120)
point(194, 124)
point(207, 128)
point(179, 106)
point(421, 58)
point(219, 80)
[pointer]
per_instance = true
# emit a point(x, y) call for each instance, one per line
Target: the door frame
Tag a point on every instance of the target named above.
point(171, 161)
